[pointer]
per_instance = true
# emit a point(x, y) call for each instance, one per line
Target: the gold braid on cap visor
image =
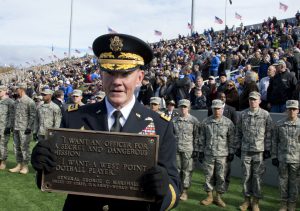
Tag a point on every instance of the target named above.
point(122, 62)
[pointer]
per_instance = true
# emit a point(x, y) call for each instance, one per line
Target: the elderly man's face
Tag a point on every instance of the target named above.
point(119, 87)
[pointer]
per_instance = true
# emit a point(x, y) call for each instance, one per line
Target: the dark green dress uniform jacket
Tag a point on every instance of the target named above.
point(94, 117)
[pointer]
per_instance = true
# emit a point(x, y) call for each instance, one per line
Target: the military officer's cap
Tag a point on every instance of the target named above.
point(292, 104)
point(121, 52)
point(155, 100)
point(184, 102)
point(21, 86)
point(77, 92)
point(254, 95)
point(217, 104)
point(3, 88)
point(47, 92)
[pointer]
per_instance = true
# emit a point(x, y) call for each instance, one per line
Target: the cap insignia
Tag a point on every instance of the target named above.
point(116, 43)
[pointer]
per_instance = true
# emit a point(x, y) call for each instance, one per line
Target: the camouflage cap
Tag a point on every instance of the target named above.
point(21, 86)
point(254, 95)
point(155, 100)
point(37, 97)
point(47, 92)
point(217, 104)
point(292, 104)
point(184, 102)
point(77, 92)
point(100, 94)
point(3, 88)
point(280, 62)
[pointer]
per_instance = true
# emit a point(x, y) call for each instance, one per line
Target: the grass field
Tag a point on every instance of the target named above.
point(19, 193)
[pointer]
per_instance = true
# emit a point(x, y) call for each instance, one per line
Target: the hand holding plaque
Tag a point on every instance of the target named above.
point(155, 181)
point(43, 157)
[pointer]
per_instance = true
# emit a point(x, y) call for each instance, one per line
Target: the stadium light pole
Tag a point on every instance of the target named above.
point(70, 33)
point(192, 17)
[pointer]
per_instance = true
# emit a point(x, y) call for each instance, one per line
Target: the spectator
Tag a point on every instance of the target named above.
point(232, 96)
point(200, 101)
point(146, 92)
point(263, 87)
point(281, 88)
point(248, 87)
point(215, 62)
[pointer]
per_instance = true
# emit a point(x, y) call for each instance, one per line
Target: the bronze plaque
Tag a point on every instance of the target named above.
point(100, 164)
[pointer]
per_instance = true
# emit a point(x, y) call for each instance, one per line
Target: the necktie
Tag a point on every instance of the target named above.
point(116, 127)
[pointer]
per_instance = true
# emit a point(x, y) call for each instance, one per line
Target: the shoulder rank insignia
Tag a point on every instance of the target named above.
point(149, 119)
point(73, 107)
point(138, 115)
point(165, 117)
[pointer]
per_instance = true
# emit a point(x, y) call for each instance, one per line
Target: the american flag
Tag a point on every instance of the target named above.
point(283, 7)
point(111, 31)
point(158, 33)
point(77, 51)
point(218, 20)
point(238, 16)
point(190, 26)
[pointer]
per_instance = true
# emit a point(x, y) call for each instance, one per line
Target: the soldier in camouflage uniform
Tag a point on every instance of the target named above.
point(6, 109)
point(48, 116)
point(155, 104)
point(216, 146)
point(23, 120)
point(186, 129)
point(286, 155)
point(253, 141)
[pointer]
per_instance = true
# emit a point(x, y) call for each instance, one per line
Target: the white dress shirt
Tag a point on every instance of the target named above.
point(125, 112)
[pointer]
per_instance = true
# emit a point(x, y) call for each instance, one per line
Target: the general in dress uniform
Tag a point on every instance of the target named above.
point(120, 57)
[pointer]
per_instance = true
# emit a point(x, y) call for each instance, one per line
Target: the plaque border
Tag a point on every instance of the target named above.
point(43, 186)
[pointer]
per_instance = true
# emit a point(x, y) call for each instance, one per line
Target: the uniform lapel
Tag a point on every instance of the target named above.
point(136, 120)
point(97, 118)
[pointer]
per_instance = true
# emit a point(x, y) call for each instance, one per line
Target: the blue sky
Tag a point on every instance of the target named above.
point(29, 28)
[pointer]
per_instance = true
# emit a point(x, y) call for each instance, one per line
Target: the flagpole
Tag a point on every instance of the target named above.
point(192, 17)
point(70, 34)
point(225, 21)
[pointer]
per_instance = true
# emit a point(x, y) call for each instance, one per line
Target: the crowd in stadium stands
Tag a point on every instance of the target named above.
point(238, 66)
point(181, 66)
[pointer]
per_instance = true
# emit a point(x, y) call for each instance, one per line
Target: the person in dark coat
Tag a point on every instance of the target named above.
point(232, 95)
point(121, 112)
point(249, 86)
point(146, 92)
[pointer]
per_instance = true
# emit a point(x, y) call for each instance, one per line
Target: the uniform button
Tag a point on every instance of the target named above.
point(105, 208)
